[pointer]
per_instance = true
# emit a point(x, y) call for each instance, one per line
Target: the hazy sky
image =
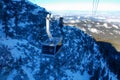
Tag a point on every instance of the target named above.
point(83, 5)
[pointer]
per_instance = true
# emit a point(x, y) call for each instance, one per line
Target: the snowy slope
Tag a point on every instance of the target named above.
point(79, 56)
point(20, 51)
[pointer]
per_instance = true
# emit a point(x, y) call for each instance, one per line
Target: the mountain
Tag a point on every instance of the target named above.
point(21, 17)
point(22, 31)
point(102, 28)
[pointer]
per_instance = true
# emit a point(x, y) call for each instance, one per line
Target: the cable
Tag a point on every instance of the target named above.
point(95, 7)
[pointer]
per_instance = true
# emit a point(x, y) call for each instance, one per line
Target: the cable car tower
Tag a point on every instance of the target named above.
point(53, 44)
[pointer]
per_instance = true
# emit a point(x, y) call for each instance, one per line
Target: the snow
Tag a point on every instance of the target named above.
point(83, 29)
point(1, 25)
point(16, 0)
point(115, 26)
point(35, 12)
point(23, 11)
point(94, 30)
point(113, 76)
point(77, 75)
point(116, 31)
point(1, 30)
point(12, 43)
point(28, 72)
point(22, 24)
point(16, 54)
point(12, 75)
point(84, 24)
point(51, 78)
point(106, 25)
point(89, 25)
point(98, 23)
point(72, 21)
point(111, 33)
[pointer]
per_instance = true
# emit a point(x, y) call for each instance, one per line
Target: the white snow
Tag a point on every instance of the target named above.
point(28, 72)
point(12, 75)
point(35, 12)
point(12, 22)
point(96, 48)
point(12, 43)
point(1, 25)
point(77, 75)
point(16, 0)
point(51, 78)
point(111, 33)
point(84, 24)
point(8, 42)
point(23, 11)
point(116, 31)
point(113, 76)
point(16, 53)
point(94, 30)
point(89, 25)
point(72, 21)
point(98, 23)
point(22, 24)
point(83, 29)
point(115, 26)
point(1, 31)
point(106, 25)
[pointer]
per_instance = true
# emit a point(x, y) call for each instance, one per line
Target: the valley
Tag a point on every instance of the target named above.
point(101, 28)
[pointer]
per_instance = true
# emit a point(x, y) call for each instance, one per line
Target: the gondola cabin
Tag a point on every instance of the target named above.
point(51, 46)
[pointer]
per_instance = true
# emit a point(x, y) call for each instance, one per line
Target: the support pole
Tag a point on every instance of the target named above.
point(48, 26)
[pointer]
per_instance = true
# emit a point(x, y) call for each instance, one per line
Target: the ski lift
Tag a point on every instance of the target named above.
point(53, 44)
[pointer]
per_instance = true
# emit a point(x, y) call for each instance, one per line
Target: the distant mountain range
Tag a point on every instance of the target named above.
point(83, 13)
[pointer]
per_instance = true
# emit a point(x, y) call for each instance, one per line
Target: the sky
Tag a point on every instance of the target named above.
point(81, 5)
